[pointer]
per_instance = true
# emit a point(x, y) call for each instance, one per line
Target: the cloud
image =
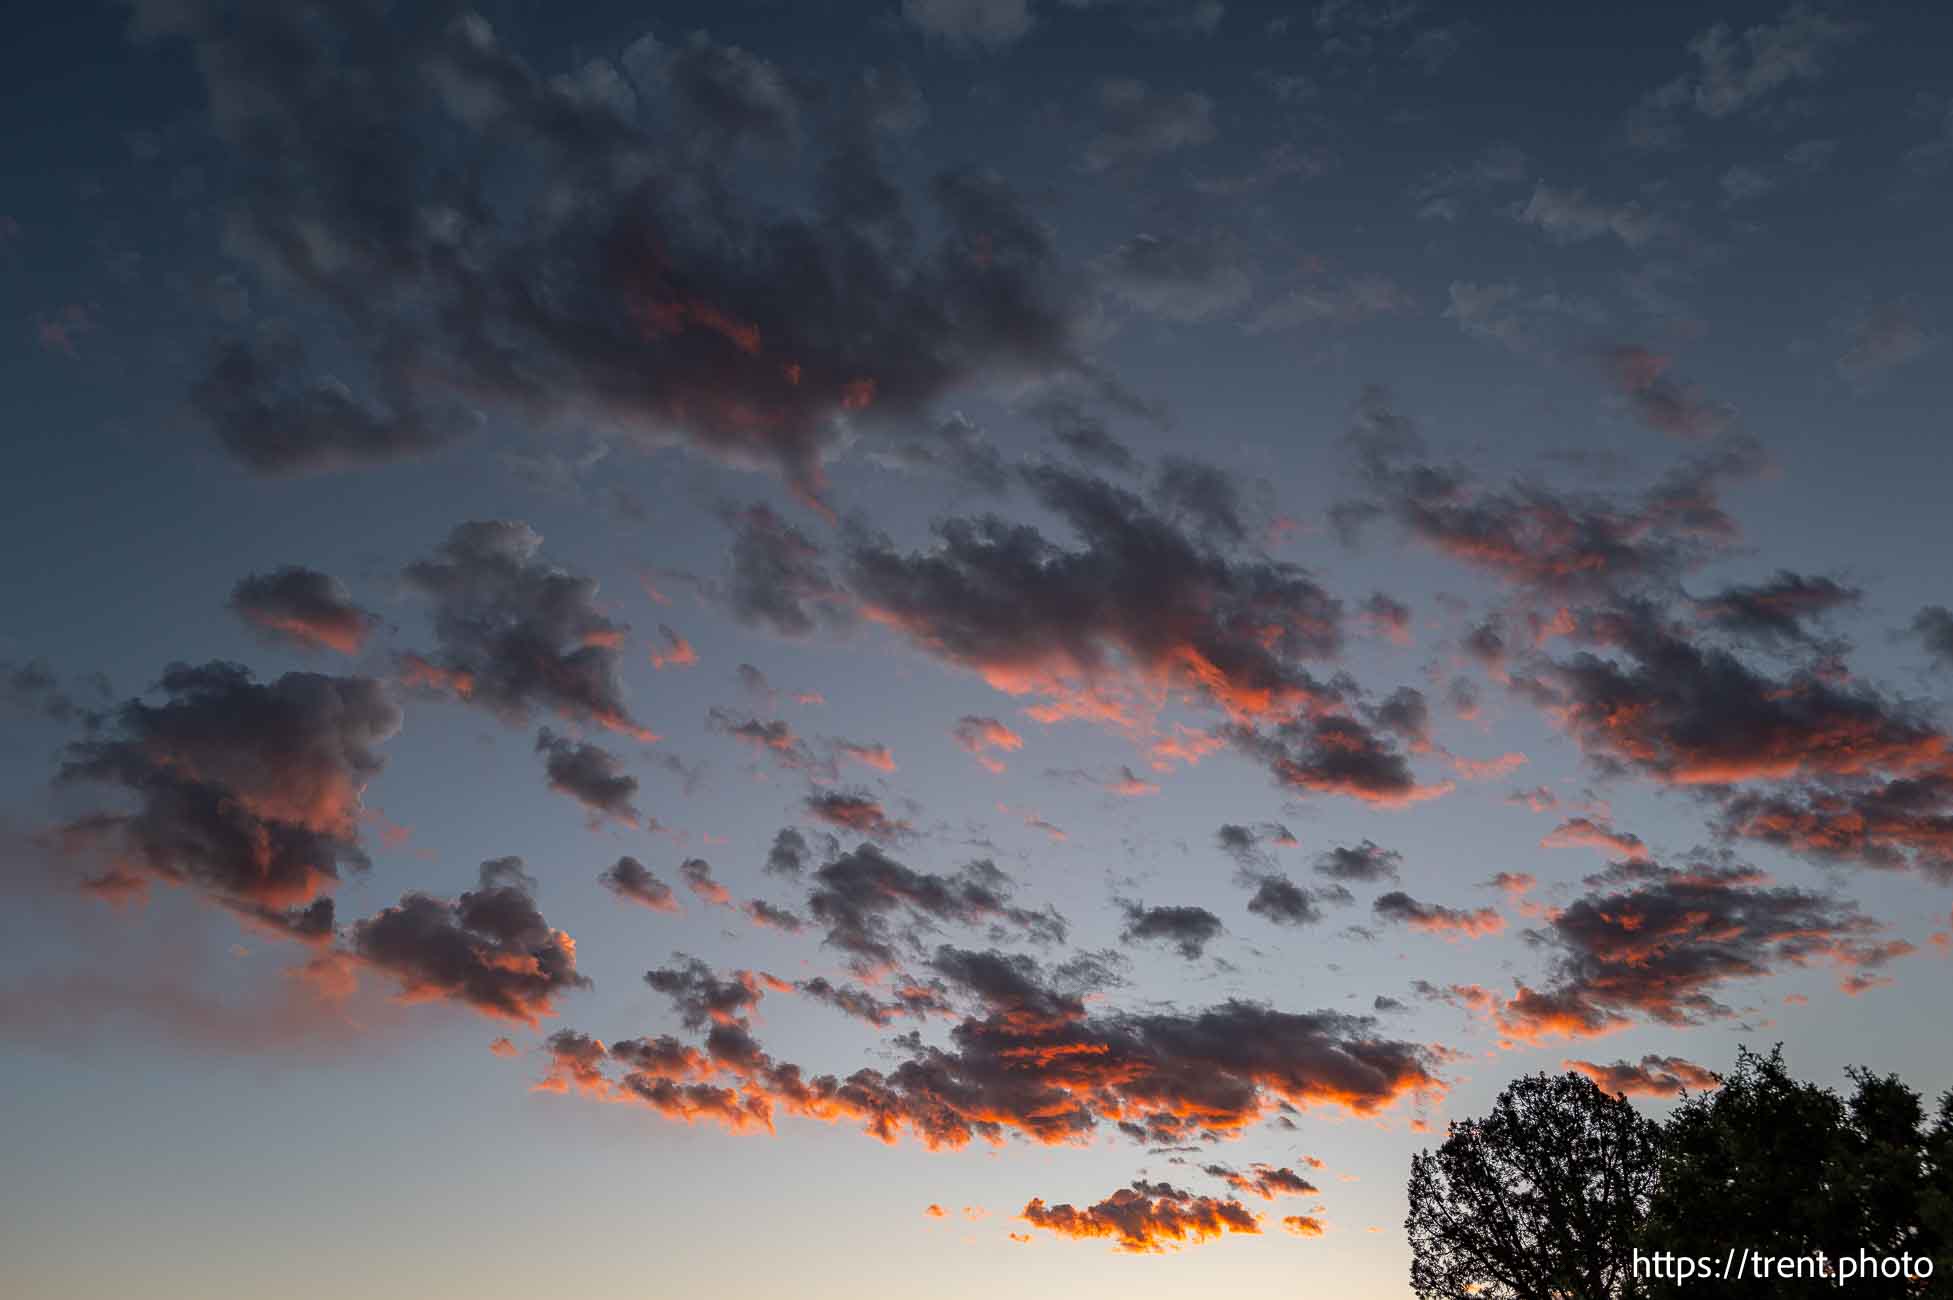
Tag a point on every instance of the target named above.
point(857, 895)
point(857, 811)
point(1734, 74)
point(1137, 123)
point(1881, 339)
point(1432, 918)
point(34, 689)
point(1570, 217)
point(486, 237)
point(1536, 537)
point(1697, 715)
point(1933, 626)
point(1139, 608)
point(1282, 901)
point(490, 949)
point(1187, 929)
point(697, 873)
point(677, 651)
point(911, 1000)
point(1774, 613)
point(1340, 301)
point(1660, 402)
point(251, 792)
point(778, 581)
point(1265, 1181)
point(1652, 1076)
point(1901, 823)
point(976, 735)
point(701, 996)
point(634, 882)
point(1246, 844)
point(1660, 942)
point(303, 608)
point(789, 854)
point(1366, 862)
point(591, 775)
point(1175, 278)
point(1146, 1218)
point(1036, 1063)
point(767, 916)
point(1586, 832)
point(515, 633)
point(1083, 435)
point(1334, 754)
point(990, 23)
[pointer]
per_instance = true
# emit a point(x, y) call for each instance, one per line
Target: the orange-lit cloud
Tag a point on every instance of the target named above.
point(1146, 1218)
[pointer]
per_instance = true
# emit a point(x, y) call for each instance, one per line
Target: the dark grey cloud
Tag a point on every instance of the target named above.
point(1933, 626)
point(35, 689)
point(1534, 536)
point(489, 949)
point(1776, 612)
point(860, 894)
point(250, 791)
point(1082, 434)
point(1366, 862)
point(405, 178)
point(701, 996)
point(1030, 614)
point(1661, 942)
point(515, 633)
point(591, 775)
point(304, 608)
point(1187, 929)
point(777, 579)
point(634, 882)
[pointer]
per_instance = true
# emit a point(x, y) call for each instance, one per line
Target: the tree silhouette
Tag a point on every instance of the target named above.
point(1540, 1200)
point(1785, 1168)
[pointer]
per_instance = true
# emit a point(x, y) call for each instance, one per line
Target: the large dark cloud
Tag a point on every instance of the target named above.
point(1661, 942)
point(304, 608)
point(571, 250)
point(489, 949)
point(1138, 607)
point(1689, 714)
point(515, 633)
point(1905, 822)
point(251, 791)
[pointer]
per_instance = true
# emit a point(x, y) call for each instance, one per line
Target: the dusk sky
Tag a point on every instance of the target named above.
point(941, 647)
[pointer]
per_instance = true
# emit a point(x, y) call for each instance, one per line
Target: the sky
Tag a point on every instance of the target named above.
point(941, 647)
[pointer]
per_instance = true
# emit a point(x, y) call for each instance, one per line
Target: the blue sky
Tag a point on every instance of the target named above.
point(1120, 523)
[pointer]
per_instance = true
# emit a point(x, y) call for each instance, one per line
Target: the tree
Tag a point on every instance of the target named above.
point(1540, 1200)
point(1789, 1169)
